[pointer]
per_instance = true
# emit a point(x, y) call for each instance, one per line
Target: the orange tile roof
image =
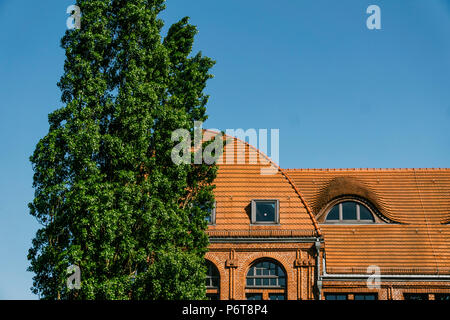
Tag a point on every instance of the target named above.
point(238, 183)
point(417, 203)
point(402, 195)
point(414, 202)
point(396, 249)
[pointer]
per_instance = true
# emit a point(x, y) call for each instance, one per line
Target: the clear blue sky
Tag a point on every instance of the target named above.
point(341, 95)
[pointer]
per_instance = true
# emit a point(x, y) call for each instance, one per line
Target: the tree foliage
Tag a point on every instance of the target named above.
point(107, 194)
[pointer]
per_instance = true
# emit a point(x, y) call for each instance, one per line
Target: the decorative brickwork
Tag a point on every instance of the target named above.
point(408, 241)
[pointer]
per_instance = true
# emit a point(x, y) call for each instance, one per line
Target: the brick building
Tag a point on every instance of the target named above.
point(327, 233)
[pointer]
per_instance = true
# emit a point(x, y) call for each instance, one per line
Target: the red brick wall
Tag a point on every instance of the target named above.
point(234, 260)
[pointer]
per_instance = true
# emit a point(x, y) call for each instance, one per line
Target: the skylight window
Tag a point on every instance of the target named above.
point(265, 211)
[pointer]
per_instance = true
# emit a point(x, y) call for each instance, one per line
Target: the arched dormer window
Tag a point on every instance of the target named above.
point(349, 212)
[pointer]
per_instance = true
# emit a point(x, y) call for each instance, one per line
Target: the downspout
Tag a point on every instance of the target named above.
point(318, 277)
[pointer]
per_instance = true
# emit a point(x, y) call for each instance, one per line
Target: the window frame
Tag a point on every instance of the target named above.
point(442, 296)
point(212, 221)
point(410, 296)
point(365, 295)
point(272, 294)
point(264, 291)
point(265, 276)
point(328, 295)
point(212, 296)
point(253, 296)
point(211, 277)
point(253, 212)
point(341, 219)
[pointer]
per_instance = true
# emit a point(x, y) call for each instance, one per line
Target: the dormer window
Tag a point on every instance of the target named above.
point(349, 212)
point(265, 211)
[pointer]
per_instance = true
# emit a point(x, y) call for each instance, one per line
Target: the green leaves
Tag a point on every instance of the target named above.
point(107, 194)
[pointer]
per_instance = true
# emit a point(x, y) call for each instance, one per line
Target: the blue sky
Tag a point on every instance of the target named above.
point(340, 94)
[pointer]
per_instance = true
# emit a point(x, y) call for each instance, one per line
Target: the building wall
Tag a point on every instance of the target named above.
point(410, 234)
point(388, 290)
point(233, 260)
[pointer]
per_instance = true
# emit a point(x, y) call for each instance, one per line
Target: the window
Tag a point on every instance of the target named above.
point(366, 296)
point(211, 218)
point(416, 296)
point(266, 274)
point(442, 296)
point(212, 276)
point(267, 279)
point(265, 211)
point(212, 296)
point(357, 296)
point(349, 212)
point(334, 296)
point(253, 296)
point(212, 281)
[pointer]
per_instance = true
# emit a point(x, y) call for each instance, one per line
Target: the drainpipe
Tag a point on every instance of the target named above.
point(318, 277)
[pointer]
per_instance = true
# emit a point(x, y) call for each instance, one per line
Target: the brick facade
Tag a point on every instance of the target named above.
point(233, 262)
point(408, 240)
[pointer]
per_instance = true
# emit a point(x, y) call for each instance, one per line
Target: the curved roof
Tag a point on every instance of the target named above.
point(415, 203)
point(418, 200)
point(244, 174)
point(402, 195)
point(394, 248)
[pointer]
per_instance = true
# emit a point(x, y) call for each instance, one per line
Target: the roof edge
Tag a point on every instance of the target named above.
point(308, 209)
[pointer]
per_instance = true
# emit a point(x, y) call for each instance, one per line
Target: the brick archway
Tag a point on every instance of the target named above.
point(252, 259)
point(222, 276)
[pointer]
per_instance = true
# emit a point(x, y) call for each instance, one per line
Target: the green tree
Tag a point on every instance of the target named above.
point(107, 194)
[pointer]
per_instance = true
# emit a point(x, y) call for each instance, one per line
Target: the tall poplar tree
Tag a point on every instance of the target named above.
point(107, 194)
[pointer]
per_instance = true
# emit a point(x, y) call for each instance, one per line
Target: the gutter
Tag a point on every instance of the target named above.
point(281, 239)
point(389, 277)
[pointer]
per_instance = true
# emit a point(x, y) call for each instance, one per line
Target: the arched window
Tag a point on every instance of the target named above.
point(212, 281)
point(266, 279)
point(350, 212)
